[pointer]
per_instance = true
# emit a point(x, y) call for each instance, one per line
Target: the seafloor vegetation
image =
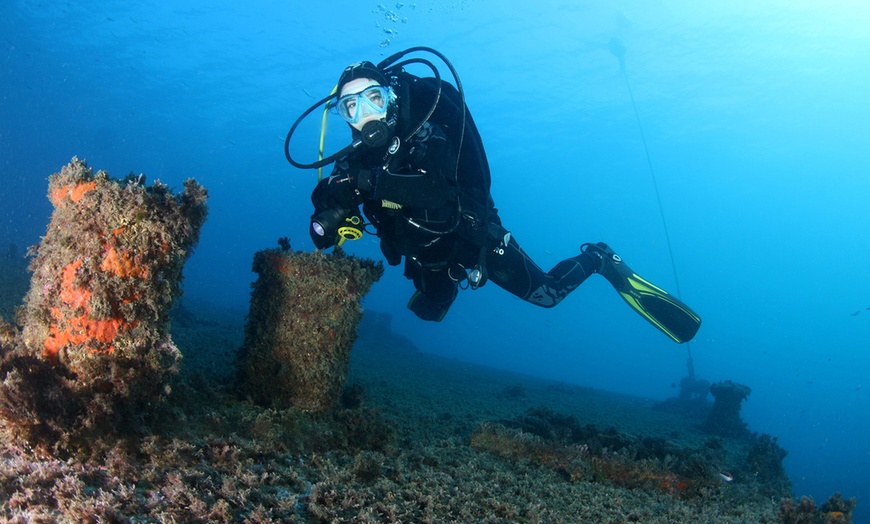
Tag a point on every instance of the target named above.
point(417, 438)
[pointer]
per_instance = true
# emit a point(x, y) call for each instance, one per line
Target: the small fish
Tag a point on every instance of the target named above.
point(727, 477)
point(855, 314)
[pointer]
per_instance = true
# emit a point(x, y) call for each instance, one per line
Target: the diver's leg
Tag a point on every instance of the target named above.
point(435, 293)
point(513, 270)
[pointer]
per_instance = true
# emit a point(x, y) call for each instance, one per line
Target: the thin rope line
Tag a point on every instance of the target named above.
point(658, 199)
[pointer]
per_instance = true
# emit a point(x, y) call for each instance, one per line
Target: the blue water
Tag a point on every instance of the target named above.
point(756, 121)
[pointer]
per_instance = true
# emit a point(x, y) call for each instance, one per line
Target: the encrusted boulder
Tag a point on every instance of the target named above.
point(105, 276)
point(305, 309)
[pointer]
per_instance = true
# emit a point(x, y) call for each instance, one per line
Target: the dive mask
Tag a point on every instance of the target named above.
point(372, 100)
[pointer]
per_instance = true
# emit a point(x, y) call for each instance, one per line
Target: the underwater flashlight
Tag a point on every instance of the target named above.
point(352, 229)
point(346, 223)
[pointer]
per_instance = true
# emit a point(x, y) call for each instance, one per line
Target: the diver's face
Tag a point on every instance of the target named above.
point(358, 86)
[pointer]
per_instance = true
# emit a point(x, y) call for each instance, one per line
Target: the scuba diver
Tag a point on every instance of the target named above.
point(418, 169)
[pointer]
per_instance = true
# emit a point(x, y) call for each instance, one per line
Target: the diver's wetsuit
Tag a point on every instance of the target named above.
point(437, 212)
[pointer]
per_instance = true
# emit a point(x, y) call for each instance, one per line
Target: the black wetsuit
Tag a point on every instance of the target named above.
point(435, 209)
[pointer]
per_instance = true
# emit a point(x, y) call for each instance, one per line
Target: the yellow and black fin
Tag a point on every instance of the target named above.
point(661, 309)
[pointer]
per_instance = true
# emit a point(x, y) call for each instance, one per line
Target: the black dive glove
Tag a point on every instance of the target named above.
point(347, 186)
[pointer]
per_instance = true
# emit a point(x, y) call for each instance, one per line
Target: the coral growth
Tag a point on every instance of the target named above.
point(803, 511)
point(305, 308)
point(585, 453)
point(724, 419)
point(222, 461)
point(836, 510)
point(104, 279)
point(764, 462)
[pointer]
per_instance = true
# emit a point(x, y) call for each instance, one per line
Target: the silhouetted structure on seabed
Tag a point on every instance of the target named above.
point(724, 419)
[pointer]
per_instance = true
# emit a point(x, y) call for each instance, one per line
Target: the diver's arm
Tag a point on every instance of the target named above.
point(334, 198)
point(421, 174)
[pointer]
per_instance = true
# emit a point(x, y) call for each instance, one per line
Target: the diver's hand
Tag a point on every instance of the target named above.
point(362, 181)
point(334, 192)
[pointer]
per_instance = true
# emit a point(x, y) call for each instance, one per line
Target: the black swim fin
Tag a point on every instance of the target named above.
point(426, 308)
point(664, 311)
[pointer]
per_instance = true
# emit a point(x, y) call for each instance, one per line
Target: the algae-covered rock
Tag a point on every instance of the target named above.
point(104, 279)
point(724, 419)
point(37, 404)
point(305, 308)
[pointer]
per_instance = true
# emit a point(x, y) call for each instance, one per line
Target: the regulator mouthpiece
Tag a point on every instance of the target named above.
point(376, 133)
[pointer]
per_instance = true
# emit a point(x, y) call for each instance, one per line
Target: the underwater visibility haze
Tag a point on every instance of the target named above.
point(720, 147)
